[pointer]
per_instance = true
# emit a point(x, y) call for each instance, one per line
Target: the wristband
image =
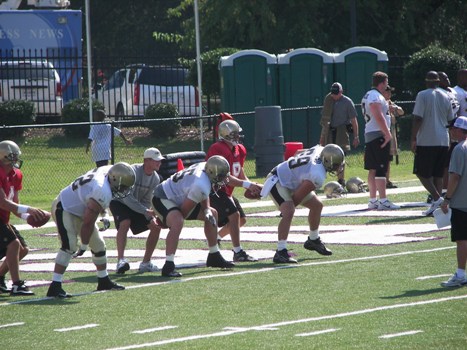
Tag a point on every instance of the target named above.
point(25, 216)
point(22, 209)
point(246, 184)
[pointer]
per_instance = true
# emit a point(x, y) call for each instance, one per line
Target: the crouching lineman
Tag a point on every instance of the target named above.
point(292, 183)
point(75, 212)
point(185, 196)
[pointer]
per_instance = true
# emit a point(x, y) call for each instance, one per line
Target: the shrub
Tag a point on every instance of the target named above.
point(434, 58)
point(77, 111)
point(15, 112)
point(163, 128)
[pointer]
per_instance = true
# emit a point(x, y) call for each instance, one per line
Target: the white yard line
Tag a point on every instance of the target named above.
point(77, 328)
point(387, 336)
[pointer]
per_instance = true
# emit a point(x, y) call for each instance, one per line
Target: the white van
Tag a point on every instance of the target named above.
point(131, 90)
point(32, 80)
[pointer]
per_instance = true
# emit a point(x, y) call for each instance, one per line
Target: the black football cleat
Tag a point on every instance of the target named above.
point(216, 260)
point(168, 270)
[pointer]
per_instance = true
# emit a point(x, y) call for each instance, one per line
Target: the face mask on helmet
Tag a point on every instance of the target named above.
point(122, 179)
point(332, 158)
point(217, 168)
point(229, 130)
point(356, 185)
point(334, 190)
point(10, 154)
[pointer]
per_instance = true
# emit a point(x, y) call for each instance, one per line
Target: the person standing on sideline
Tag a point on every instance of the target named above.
point(378, 137)
point(430, 138)
point(456, 199)
point(461, 91)
point(185, 196)
point(338, 120)
point(75, 212)
point(231, 214)
point(395, 111)
point(12, 244)
point(134, 211)
point(293, 183)
point(100, 139)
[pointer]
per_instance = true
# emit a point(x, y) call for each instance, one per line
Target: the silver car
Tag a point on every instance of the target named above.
point(32, 80)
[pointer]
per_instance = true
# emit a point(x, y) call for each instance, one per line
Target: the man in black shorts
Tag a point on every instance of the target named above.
point(134, 211)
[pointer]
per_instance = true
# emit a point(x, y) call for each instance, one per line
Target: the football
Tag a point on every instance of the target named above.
point(251, 195)
point(38, 223)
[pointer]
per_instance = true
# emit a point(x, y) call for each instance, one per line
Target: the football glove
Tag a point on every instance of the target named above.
point(82, 249)
point(210, 217)
point(105, 223)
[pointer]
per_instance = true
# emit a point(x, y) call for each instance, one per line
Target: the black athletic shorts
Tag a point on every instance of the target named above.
point(121, 212)
point(8, 233)
point(377, 158)
point(458, 225)
point(225, 206)
point(430, 161)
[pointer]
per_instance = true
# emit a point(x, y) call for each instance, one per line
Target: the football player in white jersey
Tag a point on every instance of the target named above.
point(75, 212)
point(185, 196)
point(375, 110)
point(292, 183)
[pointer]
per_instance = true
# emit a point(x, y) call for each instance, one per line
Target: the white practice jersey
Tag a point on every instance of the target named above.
point(304, 166)
point(192, 183)
point(374, 96)
point(93, 184)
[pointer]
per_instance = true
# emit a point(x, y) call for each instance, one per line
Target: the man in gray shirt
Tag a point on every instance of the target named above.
point(134, 211)
point(430, 138)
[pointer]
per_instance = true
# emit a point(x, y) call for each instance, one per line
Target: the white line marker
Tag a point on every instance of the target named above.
point(77, 328)
point(387, 336)
point(11, 324)
point(430, 277)
point(150, 330)
point(286, 323)
point(317, 332)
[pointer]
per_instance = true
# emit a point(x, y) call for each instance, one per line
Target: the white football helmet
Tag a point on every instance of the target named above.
point(217, 168)
point(229, 130)
point(10, 154)
point(122, 179)
point(333, 158)
point(356, 185)
point(333, 189)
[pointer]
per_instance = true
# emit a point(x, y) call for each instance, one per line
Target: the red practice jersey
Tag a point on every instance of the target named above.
point(10, 183)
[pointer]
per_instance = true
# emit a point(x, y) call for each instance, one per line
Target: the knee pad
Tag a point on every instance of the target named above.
point(63, 258)
point(99, 258)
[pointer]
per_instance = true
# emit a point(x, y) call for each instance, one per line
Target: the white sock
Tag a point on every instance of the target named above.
point(237, 249)
point(57, 277)
point(314, 234)
point(102, 273)
point(372, 200)
point(281, 245)
point(214, 249)
point(460, 273)
point(170, 257)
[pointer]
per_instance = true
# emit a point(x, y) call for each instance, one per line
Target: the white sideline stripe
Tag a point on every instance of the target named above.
point(11, 324)
point(317, 332)
point(77, 328)
point(292, 322)
point(261, 270)
point(434, 276)
point(387, 336)
point(150, 330)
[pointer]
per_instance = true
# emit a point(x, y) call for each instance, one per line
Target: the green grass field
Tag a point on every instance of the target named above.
point(364, 296)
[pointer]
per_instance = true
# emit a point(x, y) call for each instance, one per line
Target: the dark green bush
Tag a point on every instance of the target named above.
point(163, 128)
point(77, 111)
point(15, 112)
point(431, 58)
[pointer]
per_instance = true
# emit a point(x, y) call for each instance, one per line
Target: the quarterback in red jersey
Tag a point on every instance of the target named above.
point(12, 245)
point(231, 215)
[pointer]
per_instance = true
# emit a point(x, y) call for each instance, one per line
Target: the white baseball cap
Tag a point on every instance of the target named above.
point(153, 153)
point(461, 123)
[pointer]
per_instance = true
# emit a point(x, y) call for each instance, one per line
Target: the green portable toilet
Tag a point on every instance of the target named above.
point(305, 76)
point(353, 68)
point(248, 80)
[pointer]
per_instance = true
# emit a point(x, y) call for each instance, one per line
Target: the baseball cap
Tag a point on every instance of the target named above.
point(461, 123)
point(336, 88)
point(153, 153)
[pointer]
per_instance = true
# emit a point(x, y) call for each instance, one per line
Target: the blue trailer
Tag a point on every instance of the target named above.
point(53, 35)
